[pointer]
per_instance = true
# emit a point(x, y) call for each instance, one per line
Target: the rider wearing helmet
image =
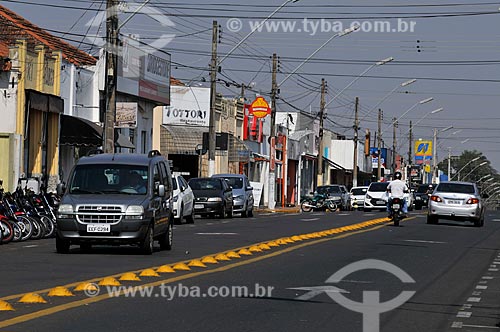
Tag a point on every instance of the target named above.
point(397, 188)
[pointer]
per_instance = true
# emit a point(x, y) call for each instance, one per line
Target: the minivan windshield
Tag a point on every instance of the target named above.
point(378, 186)
point(358, 191)
point(109, 179)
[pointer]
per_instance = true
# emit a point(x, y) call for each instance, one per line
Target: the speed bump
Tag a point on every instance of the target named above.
point(196, 263)
point(281, 242)
point(165, 269)
point(32, 298)
point(130, 276)
point(222, 257)
point(254, 249)
point(296, 238)
point(209, 260)
point(233, 254)
point(264, 246)
point(60, 291)
point(109, 281)
point(181, 267)
point(273, 244)
point(5, 306)
point(288, 240)
point(245, 252)
point(149, 273)
point(86, 286)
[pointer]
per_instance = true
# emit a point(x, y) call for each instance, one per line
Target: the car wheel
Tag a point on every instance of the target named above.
point(62, 246)
point(178, 221)
point(250, 213)
point(190, 218)
point(223, 212)
point(432, 220)
point(167, 238)
point(147, 243)
point(244, 214)
point(230, 212)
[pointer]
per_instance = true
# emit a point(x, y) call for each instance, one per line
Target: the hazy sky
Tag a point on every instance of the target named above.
point(458, 63)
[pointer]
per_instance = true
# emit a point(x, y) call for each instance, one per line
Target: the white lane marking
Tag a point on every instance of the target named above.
point(344, 214)
point(474, 299)
point(481, 287)
point(457, 325)
point(466, 307)
point(369, 214)
point(483, 282)
point(225, 222)
point(317, 214)
point(481, 326)
point(496, 219)
point(476, 293)
point(464, 314)
point(31, 246)
point(423, 241)
point(488, 278)
point(217, 234)
point(309, 219)
point(493, 270)
point(210, 223)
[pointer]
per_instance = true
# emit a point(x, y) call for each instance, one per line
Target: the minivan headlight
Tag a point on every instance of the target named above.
point(214, 199)
point(134, 212)
point(65, 210)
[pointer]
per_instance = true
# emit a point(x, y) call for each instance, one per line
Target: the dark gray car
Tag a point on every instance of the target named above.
point(242, 193)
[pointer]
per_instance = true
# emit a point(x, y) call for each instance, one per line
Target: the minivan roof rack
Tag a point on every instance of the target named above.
point(154, 153)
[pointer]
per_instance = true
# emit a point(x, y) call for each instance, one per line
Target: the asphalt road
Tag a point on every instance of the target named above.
point(454, 266)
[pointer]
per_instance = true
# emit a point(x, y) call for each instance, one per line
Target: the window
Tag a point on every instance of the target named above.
point(144, 141)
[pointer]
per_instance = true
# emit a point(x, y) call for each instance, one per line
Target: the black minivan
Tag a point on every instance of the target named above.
point(212, 196)
point(116, 199)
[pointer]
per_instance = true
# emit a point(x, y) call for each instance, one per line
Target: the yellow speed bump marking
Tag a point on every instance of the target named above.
point(296, 238)
point(149, 273)
point(281, 242)
point(165, 269)
point(222, 257)
point(273, 244)
point(196, 263)
point(5, 306)
point(233, 254)
point(254, 249)
point(209, 260)
point(181, 267)
point(32, 298)
point(264, 246)
point(86, 286)
point(245, 252)
point(60, 291)
point(129, 276)
point(109, 281)
point(288, 240)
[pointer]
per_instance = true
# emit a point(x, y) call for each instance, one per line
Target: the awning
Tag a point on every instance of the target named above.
point(77, 131)
point(181, 139)
point(333, 164)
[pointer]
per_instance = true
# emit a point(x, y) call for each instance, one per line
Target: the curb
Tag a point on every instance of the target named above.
point(290, 210)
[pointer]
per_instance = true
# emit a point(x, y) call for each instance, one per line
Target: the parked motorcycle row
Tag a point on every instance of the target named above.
point(25, 215)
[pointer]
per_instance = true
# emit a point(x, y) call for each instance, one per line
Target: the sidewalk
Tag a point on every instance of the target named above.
point(278, 209)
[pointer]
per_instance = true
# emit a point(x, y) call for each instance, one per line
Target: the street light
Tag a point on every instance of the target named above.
point(461, 169)
point(481, 164)
point(486, 177)
point(424, 101)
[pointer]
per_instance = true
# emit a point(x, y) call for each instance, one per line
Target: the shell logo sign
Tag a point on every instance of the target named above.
point(259, 108)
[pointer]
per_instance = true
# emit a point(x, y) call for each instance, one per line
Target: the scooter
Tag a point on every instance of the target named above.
point(396, 210)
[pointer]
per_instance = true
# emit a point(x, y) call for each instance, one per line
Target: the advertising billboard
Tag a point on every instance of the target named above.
point(189, 106)
point(374, 154)
point(423, 151)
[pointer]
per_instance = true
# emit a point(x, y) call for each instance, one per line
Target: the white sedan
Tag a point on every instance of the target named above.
point(183, 200)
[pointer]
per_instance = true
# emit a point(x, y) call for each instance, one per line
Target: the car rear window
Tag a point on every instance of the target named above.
point(205, 184)
point(358, 191)
point(234, 182)
point(455, 188)
point(378, 186)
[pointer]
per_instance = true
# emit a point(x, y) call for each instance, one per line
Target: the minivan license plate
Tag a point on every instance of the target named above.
point(98, 228)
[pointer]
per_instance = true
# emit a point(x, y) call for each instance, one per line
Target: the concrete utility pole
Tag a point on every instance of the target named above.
point(356, 128)
point(449, 164)
point(394, 127)
point(434, 156)
point(379, 141)
point(111, 75)
point(213, 94)
point(319, 177)
point(410, 142)
point(272, 136)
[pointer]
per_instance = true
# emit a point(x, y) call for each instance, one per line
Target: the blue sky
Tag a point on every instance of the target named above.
point(458, 63)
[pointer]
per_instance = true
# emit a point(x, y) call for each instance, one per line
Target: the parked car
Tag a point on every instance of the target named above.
point(242, 193)
point(357, 197)
point(421, 195)
point(376, 196)
point(183, 201)
point(213, 196)
point(335, 194)
point(116, 199)
point(459, 201)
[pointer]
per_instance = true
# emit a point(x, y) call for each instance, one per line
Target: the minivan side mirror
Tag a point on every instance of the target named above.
point(60, 189)
point(161, 190)
point(249, 188)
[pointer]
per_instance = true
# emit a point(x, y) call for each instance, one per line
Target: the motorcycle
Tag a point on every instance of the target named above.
point(396, 210)
point(318, 201)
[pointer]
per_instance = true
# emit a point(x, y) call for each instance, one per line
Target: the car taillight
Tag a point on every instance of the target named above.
point(472, 201)
point(436, 198)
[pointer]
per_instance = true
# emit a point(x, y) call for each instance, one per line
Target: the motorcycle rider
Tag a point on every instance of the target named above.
point(397, 188)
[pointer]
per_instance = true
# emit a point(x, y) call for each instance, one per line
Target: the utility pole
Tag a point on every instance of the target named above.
point(321, 125)
point(111, 75)
point(272, 140)
point(434, 156)
point(410, 142)
point(213, 95)
point(394, 127)
point(379, 140)
point(356, 128)
point(449, 164)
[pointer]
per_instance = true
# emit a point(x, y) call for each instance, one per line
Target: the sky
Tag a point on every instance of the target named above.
point(451, 47)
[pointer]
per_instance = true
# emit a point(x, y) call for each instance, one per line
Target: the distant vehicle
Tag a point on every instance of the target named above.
point(242, 193)
point(421, 195)
point(335, 194)
point(183, 201)
point(213, 196)
point(357, 197)
point(459, 201)
point(376, 196)
point(116, 199)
